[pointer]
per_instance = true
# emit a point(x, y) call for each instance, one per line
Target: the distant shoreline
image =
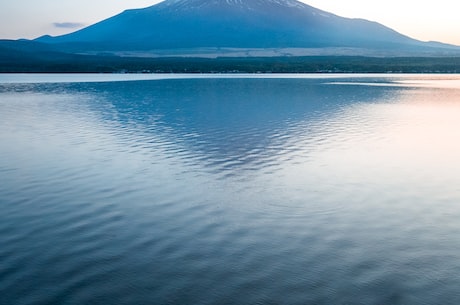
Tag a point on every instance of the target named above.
point(69, 63)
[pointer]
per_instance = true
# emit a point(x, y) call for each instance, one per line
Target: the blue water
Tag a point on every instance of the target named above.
point(208, 189)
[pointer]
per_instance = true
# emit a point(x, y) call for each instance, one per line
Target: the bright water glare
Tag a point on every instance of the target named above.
point(236, 189)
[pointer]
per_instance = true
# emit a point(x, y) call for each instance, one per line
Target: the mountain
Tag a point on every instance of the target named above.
point(229, 36)
point(239, 24)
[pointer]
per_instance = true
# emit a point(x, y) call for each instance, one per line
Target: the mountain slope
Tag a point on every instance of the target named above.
point(174, 24)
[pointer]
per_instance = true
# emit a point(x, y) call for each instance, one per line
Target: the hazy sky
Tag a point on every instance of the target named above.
point(424, 20)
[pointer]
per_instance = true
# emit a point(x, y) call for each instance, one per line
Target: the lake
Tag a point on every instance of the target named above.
point(229, 189)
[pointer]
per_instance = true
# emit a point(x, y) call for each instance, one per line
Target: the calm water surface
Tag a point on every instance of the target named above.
point(278, 189)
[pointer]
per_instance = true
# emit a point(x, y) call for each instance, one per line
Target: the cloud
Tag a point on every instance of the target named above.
point(68, 25)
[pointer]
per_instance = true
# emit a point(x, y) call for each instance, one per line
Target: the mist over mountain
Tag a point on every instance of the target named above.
point(241, 24)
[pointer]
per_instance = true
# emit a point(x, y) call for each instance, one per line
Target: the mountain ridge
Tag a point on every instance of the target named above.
point(185, 24)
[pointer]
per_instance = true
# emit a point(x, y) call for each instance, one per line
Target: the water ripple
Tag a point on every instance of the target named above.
point(229, 190)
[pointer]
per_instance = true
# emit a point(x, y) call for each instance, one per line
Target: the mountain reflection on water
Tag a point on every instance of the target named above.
point(231, 123)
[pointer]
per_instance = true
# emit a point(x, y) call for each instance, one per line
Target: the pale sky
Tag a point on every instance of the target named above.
point(424, 20)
